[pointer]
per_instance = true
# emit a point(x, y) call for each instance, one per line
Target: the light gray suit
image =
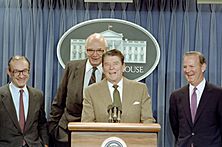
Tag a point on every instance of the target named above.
point(136, 103)
point(35, 133)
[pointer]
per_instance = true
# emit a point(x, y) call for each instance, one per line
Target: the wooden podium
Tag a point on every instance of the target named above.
point(108, 134)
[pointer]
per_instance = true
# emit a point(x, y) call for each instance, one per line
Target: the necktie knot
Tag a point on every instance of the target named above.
point(94, 69)
point(21, 91)
point(194, 89)
point(115, 86)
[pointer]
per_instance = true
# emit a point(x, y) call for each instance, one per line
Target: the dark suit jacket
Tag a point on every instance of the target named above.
point(67, 104)
point(206, 131)
point(35, 133)
point(136, 103)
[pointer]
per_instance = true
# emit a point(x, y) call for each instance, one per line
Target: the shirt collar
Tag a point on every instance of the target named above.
point(200, 87)
point(89, 66)
point(16, 89)
point(120, 84)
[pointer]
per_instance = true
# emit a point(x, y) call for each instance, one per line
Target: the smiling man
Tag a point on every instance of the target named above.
point(134, 101)
point(196, 109)
point(78, 74)
point(22, 114)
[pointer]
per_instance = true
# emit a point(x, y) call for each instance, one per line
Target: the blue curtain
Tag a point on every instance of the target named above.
point(33, 28)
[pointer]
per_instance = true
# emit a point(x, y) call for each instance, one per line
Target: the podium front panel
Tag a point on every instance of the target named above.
point(98, 139)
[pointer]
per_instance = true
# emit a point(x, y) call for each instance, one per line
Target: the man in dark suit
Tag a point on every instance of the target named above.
point(22, 115)
point(67, 104)
point(196, 109)
point(133, 99)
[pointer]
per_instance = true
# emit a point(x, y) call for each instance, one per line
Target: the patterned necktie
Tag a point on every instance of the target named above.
point(116, 97)
point(193, 106)
point(93, 76)
point(21, 111)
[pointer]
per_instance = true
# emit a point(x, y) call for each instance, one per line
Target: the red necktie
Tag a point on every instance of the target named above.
point(21, 111)
point(193, 104)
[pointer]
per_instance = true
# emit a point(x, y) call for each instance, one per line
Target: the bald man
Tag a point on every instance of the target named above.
point(67, 104)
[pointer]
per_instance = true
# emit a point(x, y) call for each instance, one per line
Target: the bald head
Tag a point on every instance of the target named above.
point(96, 45)
point(96, 37)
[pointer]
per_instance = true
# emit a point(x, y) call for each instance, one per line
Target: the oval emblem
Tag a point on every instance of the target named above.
point(140, 48)
point(113, 142)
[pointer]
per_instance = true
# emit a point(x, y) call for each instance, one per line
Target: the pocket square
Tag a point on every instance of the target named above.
point(136, 103)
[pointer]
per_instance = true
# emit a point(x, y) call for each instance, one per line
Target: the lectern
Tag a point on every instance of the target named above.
point(113, 134)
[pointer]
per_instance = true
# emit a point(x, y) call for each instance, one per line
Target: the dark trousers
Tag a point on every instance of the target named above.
point(55, 143)
point(61, 144)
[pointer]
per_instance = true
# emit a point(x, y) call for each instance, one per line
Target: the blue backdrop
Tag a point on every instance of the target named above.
point(33, 28)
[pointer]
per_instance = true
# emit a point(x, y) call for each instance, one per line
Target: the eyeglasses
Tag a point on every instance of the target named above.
point(24, 72)
point(91, 51)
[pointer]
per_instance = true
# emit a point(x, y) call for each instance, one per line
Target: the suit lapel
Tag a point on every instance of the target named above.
point(186, 102)
point(127, 97)
point(31, 108)
point(80, 71)
point(9, 105)
point(107, 99)
point(203, 101)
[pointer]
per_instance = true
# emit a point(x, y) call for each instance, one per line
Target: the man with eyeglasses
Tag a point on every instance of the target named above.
point(67, 104)
point(22, 115)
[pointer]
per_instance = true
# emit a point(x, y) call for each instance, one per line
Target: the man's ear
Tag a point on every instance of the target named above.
point(124, 66)
point(8, 72)
point(203, 67)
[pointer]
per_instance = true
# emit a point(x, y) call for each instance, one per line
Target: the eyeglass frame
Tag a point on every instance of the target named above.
point(98, 51)
point(24, 72)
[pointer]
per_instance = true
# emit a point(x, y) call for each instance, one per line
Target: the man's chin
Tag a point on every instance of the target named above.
point(21, 85)
point(95, 63)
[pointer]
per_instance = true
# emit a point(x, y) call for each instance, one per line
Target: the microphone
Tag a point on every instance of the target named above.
point(119, 114)
point(109, 109)
point(115, 111)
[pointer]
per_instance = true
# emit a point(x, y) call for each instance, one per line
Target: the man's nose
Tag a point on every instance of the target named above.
point(21, 75)
point(111, 66)
point(187, 69)
point(95, 53)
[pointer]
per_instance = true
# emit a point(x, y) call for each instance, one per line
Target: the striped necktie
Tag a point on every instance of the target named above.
point(93, 76)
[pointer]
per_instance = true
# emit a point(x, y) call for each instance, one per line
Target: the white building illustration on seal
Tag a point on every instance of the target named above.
point(134, 50)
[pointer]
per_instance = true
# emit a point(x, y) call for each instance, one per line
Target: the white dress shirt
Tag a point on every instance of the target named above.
point(120, 89)
point(199, 91)
point(88, 73)
point(16, 96)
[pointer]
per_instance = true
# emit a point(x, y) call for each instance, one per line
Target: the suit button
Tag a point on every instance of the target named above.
point(192, 133)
